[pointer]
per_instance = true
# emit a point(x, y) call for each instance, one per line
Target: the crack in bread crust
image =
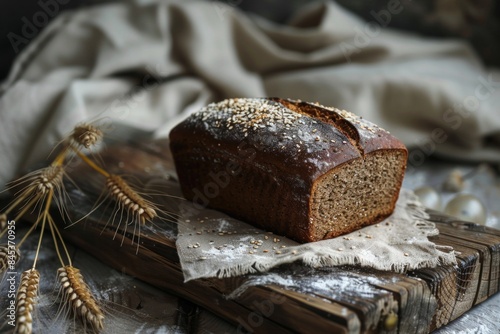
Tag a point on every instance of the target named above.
point(330, 116)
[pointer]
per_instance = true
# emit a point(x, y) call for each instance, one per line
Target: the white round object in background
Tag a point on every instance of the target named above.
point(429, 197)
point(468, 208)
point(454, 182)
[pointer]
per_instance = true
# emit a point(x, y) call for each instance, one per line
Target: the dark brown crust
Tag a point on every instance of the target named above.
point(279, 164)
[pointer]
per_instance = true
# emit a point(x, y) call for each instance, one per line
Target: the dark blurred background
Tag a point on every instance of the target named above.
point(477, 21)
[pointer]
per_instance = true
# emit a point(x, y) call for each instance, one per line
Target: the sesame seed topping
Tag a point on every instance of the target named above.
point(248, 113)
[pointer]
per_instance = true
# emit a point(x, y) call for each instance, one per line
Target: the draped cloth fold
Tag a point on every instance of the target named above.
point(142, 66)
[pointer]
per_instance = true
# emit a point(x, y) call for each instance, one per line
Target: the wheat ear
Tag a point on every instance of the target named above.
point(8, 257)
point(26, 300)
point(40, 181)
point(129, 199)
point(49, 178)
point(86, 135)
point(76, 293)
point(35, 187)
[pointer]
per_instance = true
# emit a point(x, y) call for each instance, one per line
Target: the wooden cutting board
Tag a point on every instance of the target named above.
point(335, 300)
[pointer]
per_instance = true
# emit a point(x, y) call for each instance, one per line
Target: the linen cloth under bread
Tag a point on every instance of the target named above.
point(212, 244)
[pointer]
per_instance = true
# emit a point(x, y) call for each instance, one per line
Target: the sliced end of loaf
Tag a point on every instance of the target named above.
point(357, 193)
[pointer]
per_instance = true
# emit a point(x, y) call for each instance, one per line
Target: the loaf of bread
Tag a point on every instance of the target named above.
point(298, 169)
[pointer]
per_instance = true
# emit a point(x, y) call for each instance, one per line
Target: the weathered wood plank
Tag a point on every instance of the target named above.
point(441, 294)
point(443, 284)
point(484, 237)
point(409, 298)
point(284, 305)
point(416, 303)
point(473, 272)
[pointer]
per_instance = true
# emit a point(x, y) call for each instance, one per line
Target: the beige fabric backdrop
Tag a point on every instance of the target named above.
point(147, 64)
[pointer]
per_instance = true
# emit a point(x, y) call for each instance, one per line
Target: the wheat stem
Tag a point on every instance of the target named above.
point(90, 162)
point(55, 236)
point(59, 160)
point(44, 219)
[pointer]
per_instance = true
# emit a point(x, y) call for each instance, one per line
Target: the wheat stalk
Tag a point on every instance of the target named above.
point(76, 293)
point(26, 300)
point(36, 191)
point(7, 255)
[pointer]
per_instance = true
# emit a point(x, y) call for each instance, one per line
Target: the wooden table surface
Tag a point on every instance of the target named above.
point(133, 306)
